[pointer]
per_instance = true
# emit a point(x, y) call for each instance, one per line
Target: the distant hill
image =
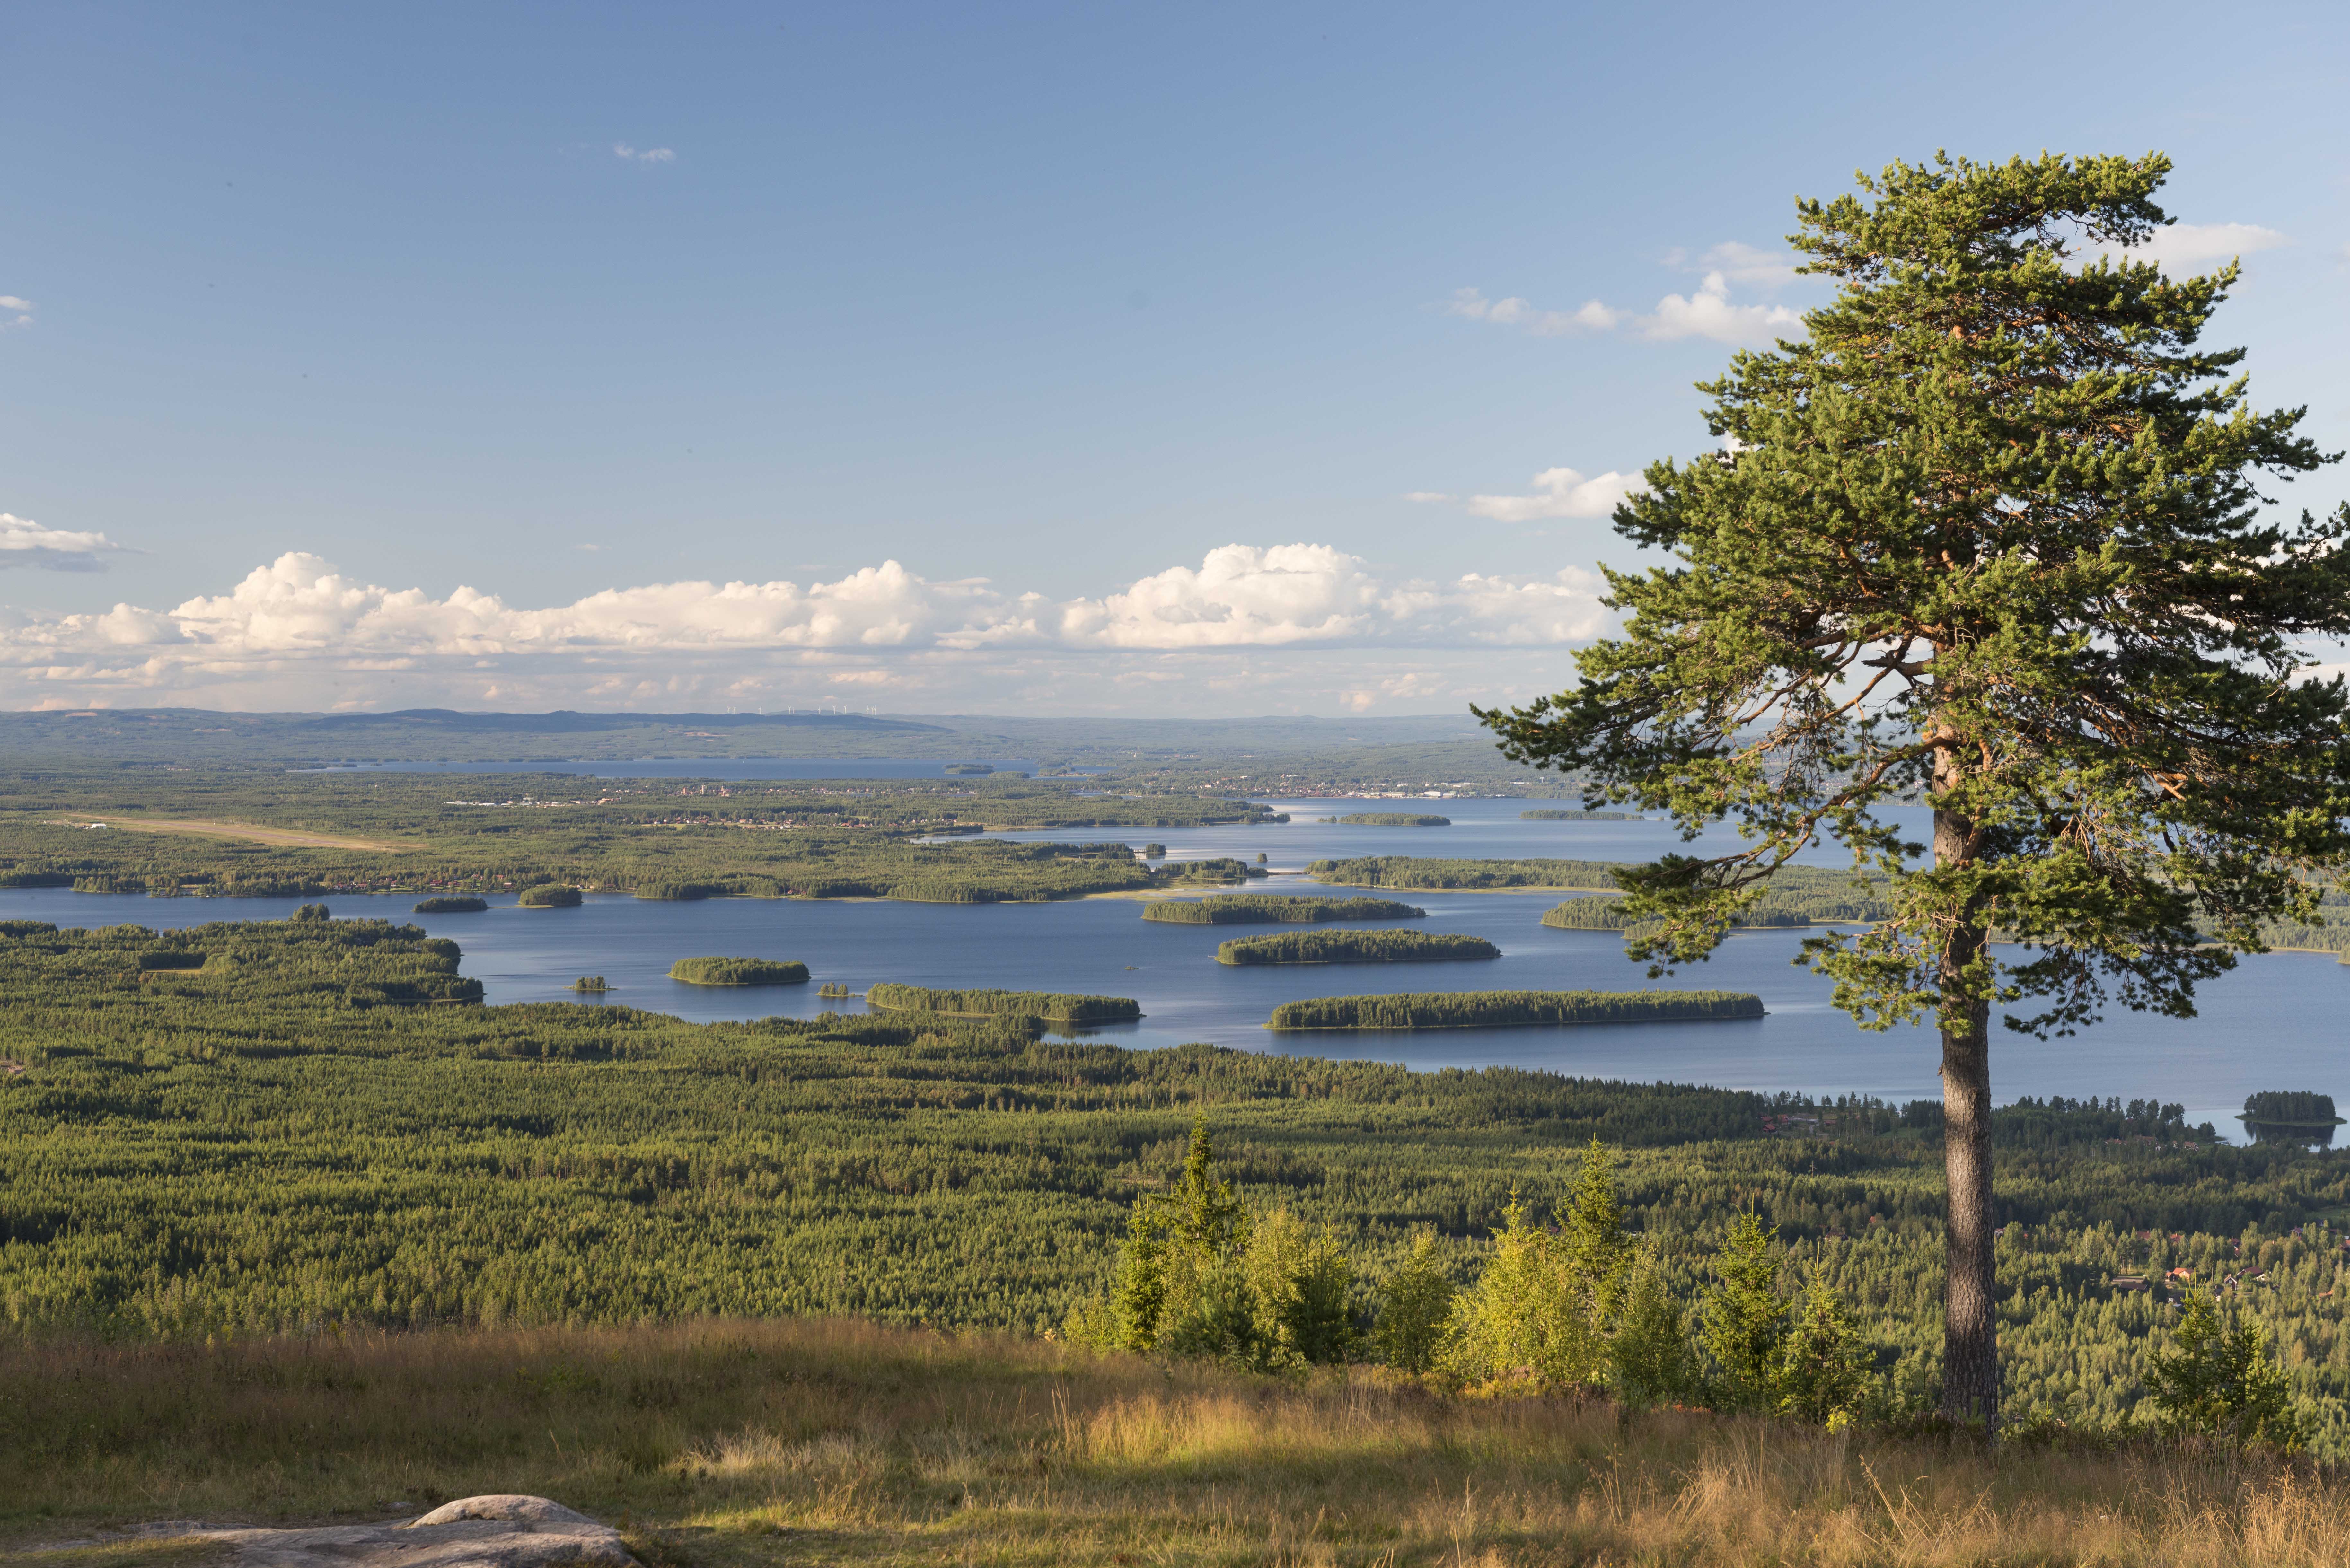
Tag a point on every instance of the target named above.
point(1439, 742)
point(443, 735)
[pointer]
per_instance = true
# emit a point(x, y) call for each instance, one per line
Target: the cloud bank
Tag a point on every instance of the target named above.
point(25, 542)
point(297, 632)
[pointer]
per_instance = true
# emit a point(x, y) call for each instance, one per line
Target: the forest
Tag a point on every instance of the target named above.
point(738, 971)
point(1490, 1008)
point(1275, 909)
point(259, 1127)
point(1356, 947)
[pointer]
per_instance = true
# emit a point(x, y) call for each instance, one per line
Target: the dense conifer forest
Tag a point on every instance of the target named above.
point(307, 1123)
point(1356, 947)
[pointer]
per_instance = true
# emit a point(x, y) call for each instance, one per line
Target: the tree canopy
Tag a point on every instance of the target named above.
point(1992, 533)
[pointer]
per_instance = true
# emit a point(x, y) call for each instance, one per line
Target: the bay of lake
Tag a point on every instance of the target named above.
point(2276, 1022)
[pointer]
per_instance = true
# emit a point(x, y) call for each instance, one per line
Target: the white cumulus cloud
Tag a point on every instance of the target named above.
point(1558, 493)
point(1708, 313)
point(2185, 249)
point(18, 308)
point(622, 150)
point(1472, 305)
point(25, 542)
point(292, 625)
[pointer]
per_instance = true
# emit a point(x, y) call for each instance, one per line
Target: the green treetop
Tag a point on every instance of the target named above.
point(1992, 533)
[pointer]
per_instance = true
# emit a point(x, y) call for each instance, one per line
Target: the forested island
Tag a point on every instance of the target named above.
point(1054, 1006)
point(1550, 816)
point(1433, 874)
point(548, 896)
point(1354, 946)
point(738, 971)
point(1495, 1009)
point(1275, 909)
point(1394, 819)
point(451, 907)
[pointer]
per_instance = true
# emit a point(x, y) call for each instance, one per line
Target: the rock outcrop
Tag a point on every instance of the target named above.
point(497, 1531)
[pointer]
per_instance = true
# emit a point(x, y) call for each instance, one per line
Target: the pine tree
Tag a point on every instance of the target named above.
point(1649, 1355)
point(1594, 1250)
point(1823, 1374)
point(1415, 1306)
point(2219, 1380)
point(1991, 533)
point(1745, 1321)
point(1522, 1319)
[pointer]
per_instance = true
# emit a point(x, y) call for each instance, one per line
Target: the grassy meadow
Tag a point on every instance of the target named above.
point(714, 1443)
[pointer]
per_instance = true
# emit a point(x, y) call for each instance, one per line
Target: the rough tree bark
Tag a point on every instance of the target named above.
point(1970, 1328)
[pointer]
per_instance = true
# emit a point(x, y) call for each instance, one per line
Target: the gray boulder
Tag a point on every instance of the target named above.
point(497, 1531)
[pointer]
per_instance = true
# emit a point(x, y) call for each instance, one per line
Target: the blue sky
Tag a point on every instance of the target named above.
point(322, 314)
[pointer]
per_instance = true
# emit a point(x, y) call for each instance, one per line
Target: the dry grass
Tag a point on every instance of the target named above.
point(719, 1443)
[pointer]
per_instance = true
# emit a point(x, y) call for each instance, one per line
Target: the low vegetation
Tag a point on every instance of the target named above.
point(1354, 946)
point(1275, 909)
point(1056, 1006)
point(1494, 1009)
point(1394, 819)
point(738, 971)
point(727, 1443)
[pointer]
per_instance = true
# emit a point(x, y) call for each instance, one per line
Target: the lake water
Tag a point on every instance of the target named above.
point(2277, 1023)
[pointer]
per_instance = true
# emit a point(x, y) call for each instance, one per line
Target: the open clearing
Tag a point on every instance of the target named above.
point(288, 838)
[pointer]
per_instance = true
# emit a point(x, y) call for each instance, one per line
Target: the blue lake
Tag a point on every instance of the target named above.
point(2277, 1023)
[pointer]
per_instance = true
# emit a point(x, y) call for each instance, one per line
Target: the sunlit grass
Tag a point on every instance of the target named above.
point(823, 1441)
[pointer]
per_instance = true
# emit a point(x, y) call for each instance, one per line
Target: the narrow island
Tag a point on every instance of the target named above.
point(548, 896)
point(1275, 909)
point(833, 989)
point(1354, 946)
point(1497, 1009)
point(2290, 1110)
point(1547, 815)
point(591, 982)
point(1057, 1007)
point(1393, 819)
point(738, 971)
point(1432, 873)
point(451, 906)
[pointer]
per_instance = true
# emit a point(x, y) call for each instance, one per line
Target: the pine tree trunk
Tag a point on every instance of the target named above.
point(1971, 1329)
